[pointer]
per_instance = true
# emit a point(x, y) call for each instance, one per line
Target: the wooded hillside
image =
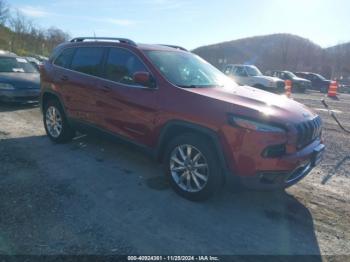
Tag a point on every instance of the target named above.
point(280, 52)
point(21, 36)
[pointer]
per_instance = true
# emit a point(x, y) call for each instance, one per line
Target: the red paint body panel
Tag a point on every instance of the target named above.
point(139, 114)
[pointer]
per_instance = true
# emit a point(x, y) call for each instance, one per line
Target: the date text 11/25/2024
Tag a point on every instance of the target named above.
point(173, 258)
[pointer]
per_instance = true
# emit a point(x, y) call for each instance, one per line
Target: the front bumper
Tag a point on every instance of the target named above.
point(279, 179)
point(19, 95)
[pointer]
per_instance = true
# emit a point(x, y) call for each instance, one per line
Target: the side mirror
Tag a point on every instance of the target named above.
point(143, 78)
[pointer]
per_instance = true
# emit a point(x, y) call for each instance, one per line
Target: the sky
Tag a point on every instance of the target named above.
point(193, 23)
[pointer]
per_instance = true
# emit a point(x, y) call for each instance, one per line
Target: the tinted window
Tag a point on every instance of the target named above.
point(310, 77)
point(65, 58)
point(88, 60)
point(121, 65)
point(304, 76)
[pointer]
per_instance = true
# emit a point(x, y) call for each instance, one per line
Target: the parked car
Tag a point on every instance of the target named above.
point(35, 62)
point(251, 76)
point(318, 82)
point(343, 84)
point(41, 58)
point(344, 88)
point(4, 52)
point(19, 80)
point(200, 124)
point(298, 84)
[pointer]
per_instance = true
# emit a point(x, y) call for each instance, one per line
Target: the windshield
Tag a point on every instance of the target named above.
point(187, 70)
point(15, 65)
point(290, 74)
point(320, 77)
point(253, 71)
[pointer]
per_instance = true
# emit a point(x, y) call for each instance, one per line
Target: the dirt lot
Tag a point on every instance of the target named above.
point(94, 196)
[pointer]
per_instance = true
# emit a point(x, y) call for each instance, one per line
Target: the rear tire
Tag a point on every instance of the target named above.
point(192, 167)
point(55, 122)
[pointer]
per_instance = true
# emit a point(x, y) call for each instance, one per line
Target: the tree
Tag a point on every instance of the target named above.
point(21, 27)
point(4, 12)
point(55, 36)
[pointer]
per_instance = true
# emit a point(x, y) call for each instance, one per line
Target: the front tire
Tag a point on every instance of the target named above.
point(55, 122)
point(192, 167)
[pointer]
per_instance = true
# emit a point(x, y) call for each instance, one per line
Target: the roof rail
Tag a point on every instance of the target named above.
point(121, 40)
point(176, 47)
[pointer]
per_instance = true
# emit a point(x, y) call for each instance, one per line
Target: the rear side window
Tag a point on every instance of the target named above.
point(65, 58)
point(88, 60)
point(121, 65)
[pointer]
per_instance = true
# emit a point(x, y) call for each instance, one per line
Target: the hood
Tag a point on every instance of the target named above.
point(21, 80)
point(258, 104)
point(269, 78)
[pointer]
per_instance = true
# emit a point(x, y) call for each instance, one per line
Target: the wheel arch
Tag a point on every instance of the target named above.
point(50, 95)
point(177, 127)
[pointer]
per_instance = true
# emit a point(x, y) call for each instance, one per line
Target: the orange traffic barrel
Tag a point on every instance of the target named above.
point(332, 90)
point(288, 88)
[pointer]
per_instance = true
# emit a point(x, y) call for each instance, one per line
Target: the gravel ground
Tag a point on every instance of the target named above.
point(95, 196)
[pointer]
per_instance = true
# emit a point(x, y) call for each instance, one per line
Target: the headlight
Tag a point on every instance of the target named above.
point(254, 125)
point(6, 86)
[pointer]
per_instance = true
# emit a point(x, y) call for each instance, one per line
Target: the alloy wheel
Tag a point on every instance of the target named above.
point(189, 168)
point(53, 120)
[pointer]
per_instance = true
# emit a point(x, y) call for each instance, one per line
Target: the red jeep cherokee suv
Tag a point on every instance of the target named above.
point(190, 116)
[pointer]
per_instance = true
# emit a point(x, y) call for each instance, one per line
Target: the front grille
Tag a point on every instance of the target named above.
point(308, 131)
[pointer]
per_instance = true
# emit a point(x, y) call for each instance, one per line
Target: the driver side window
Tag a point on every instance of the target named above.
point(121, 66)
